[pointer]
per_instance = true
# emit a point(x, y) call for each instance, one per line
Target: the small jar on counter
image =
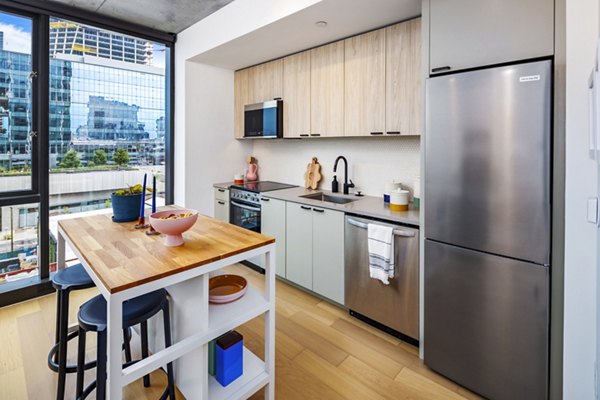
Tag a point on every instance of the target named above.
point(399, 200)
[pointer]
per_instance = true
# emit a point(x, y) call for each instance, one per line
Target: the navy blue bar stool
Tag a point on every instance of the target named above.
point(92, 318)
point(65, 281)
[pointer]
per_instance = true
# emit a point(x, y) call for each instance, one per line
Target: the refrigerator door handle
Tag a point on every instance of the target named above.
point(397, 232)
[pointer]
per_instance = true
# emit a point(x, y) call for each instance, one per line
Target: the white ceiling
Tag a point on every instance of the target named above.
point(298, 31)
point(164, 15)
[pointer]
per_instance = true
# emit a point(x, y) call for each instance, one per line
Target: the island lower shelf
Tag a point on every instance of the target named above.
point(225, 317)
point(253, 378)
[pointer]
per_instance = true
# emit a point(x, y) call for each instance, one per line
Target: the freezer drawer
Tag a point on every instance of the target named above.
point(395, 305)
point(486, 322)
point(488, 160)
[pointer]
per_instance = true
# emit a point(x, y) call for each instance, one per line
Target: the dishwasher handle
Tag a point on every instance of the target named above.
point(397, 232)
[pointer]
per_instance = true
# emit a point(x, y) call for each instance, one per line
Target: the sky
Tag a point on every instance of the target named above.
point(17, 33)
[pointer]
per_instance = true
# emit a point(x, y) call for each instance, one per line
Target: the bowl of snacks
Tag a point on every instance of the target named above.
point(173, 223)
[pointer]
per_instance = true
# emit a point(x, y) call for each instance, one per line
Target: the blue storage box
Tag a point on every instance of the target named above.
point(229, 357)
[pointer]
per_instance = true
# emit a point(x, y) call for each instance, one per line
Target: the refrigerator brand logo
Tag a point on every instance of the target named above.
point(530, 78)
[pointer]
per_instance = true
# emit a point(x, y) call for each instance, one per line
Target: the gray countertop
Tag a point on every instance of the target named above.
point(224, 185)
point(367, 205)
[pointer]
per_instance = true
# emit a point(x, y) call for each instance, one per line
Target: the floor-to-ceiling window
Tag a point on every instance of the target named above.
point(19, 227)
point(105, 112)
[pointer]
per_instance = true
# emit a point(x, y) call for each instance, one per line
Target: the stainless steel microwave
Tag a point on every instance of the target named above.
point(264, 120)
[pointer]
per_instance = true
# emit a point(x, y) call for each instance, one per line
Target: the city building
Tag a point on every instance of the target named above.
point(15, 113)
point(68, 37)
point(113, 120)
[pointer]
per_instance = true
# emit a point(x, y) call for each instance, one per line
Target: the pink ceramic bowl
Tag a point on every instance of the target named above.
point(173, 228)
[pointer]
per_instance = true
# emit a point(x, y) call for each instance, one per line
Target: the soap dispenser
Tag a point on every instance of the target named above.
point(334, 185)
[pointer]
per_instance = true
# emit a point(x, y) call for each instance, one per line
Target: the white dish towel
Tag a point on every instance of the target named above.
point(381, 252)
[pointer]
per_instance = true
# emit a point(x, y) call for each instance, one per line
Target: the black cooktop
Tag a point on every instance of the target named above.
point(262, 186)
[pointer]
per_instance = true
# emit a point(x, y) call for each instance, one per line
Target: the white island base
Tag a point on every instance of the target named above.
point(189, 303)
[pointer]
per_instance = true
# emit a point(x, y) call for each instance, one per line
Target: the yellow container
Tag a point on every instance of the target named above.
point(398, 207)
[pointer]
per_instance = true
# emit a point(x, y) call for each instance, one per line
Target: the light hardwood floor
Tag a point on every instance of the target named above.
point(321, 353)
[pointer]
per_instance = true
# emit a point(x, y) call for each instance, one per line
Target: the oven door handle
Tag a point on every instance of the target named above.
point(244, 206)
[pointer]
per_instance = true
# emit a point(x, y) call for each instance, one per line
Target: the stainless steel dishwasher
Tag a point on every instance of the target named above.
point(396, 305)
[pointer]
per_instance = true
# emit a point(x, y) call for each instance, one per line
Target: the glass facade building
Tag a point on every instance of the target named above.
point(109, 105)
point(15, 110)
point(92, 106)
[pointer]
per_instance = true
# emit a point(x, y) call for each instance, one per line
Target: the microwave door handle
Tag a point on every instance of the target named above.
point(244, 206)
point(397, 232)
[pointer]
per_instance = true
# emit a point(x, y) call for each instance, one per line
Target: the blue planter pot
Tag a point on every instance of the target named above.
point(126, 208)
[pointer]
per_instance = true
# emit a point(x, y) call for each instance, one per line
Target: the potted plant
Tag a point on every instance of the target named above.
point(126, 203)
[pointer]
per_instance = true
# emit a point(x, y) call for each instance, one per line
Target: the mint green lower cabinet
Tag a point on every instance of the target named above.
point(315, 249)
point(222, 210)
point(221, 204)
point(328, 254)
point(273, 223)
point(299, 233)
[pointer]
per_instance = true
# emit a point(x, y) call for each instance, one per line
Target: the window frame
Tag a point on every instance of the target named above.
point(40, 12)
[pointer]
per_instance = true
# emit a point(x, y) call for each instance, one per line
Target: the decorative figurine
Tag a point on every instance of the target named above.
point(252, 171)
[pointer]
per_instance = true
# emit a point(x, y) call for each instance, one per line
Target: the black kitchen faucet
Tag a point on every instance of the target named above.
point(346, 184)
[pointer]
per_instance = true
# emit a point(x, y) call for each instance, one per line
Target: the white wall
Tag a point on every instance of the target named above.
point(211, 153)
point(580, 311)
point(205, 150)
point(371, 161)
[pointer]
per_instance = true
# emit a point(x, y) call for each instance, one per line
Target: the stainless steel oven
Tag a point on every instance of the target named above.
point(245, 210)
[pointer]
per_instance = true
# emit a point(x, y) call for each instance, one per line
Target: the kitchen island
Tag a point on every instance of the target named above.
point(125, 263)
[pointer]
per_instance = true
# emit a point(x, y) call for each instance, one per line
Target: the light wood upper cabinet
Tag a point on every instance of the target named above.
point(364, 69)
point(242, 96)
point(403, 78)
point(327, 90)
point(296, 95)
point(365, 85)
point(266, 81)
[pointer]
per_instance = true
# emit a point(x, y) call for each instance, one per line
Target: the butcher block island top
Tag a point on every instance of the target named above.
point(124, 257)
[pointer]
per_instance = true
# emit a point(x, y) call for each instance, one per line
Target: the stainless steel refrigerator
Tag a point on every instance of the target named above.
point(487, 228)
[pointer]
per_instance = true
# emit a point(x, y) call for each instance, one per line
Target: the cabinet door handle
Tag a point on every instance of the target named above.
point(393, 132)
point(315, 134)
point(263, 199)
point(441, 69)
point(376, 133)
point(221, 202)
point(221, 190)
point(318, 210)
point(305, 208)
point(304, 134)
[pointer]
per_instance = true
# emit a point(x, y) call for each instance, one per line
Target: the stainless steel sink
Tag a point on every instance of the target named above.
point(328, 198)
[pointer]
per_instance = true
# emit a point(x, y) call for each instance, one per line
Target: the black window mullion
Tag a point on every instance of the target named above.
point(40, 144)
point(170, 125)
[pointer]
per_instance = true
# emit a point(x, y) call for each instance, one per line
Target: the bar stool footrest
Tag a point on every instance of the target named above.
point(70, 368)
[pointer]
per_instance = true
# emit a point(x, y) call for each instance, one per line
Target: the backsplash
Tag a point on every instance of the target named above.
point(371, 161)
